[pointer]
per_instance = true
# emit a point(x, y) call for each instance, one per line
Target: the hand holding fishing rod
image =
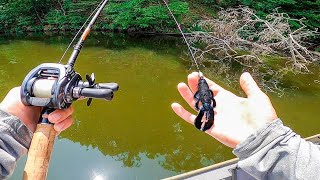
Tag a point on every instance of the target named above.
point(56, 86)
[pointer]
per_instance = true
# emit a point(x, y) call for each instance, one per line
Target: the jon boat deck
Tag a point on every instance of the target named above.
point(226, 170)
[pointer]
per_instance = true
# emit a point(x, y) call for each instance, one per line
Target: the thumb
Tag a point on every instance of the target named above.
point(248, 85)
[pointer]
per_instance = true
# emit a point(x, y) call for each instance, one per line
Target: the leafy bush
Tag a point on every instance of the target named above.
point(134, 14)
point(30, 15)
point(69, 15)
point(308, 9)
point(18, 16)
point(144, 14)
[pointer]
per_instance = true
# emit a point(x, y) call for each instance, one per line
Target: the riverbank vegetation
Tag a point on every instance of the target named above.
point(268, 38)
point(137, 15)
point(66, 15)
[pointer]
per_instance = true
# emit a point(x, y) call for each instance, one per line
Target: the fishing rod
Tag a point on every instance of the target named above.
point(56, 86)
point(204, 93)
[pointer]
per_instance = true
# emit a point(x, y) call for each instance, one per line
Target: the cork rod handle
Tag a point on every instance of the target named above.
point(38, 160)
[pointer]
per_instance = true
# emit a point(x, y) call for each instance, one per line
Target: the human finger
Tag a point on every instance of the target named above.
point(186, 94)
point(184, 114)
point(216, 88)
point(248, 85)
point(62, 125)
point(187, 116)
point(15, 90)
point(193, 79)
point(60, 115)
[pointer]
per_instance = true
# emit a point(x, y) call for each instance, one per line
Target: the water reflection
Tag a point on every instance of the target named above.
point(135, 136)
point(138, 127)
point(72, 161)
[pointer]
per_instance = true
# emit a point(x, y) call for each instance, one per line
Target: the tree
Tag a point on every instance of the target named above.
point(143, 14)
point(19, 15)
point(308, 9)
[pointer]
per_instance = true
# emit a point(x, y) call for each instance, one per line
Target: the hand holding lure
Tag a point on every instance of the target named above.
point(204, 94)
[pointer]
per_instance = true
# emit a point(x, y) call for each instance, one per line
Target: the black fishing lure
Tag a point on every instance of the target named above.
point(205, 96)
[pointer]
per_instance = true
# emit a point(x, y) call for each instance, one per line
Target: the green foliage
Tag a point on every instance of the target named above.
point(35, 15)
point(68, 15)
point(19, 15)
point(228, 3)
point(308, 9)
point(55, 17)
point(143, 14)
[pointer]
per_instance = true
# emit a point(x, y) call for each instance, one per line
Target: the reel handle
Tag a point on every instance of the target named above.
point(112, 86)
point(106, 94)
point(38, 160)
point(85, 84)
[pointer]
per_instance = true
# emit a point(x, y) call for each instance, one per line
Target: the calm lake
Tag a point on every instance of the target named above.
point(136, 135)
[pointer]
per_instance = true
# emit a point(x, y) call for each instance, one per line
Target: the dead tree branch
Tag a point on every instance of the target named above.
point(241, 30)
point(239, 35)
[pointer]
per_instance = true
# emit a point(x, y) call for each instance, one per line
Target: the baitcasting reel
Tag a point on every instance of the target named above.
point(56, 86)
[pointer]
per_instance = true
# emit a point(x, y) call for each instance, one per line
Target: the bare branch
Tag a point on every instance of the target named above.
point(238, 34)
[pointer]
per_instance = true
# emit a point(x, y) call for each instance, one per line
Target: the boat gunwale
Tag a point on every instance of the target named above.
point(314, 139)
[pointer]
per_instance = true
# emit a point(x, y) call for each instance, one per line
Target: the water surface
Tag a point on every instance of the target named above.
point(137, 135)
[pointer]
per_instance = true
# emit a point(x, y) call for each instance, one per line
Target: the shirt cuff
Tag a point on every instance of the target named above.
point(260, 139)
point(18, 129)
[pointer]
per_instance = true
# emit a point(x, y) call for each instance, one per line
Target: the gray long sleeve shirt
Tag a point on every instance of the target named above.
point(275, 152)
point(15, 140)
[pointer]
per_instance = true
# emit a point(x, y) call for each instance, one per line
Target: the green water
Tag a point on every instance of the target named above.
point(137, 135)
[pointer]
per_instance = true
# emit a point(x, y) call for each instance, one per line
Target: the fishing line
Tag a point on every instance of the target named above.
point(80, 31)
point(183, 35)
point(204, 94)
